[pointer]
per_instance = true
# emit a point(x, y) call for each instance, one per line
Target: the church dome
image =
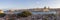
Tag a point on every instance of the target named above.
point(46, 9)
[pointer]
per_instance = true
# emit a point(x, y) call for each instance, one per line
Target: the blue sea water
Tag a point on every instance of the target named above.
point(50, 12)
point(43, 12)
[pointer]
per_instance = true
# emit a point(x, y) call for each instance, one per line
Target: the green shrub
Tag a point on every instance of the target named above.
point(24, 14)
point(2, 14)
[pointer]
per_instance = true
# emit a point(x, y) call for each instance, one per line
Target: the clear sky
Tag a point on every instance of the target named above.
point(9, 4)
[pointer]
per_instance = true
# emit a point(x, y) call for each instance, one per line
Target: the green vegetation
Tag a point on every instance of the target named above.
point(2, 14)
point(24, 14)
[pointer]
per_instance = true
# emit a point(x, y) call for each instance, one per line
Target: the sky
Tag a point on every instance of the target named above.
point(23, 4)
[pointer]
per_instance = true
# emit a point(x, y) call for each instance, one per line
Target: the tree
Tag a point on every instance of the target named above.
point(24, 14)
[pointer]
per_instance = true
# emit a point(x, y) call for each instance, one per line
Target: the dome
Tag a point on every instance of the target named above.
point(46, 9)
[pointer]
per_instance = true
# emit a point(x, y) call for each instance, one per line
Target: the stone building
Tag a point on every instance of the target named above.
point(1, 11)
